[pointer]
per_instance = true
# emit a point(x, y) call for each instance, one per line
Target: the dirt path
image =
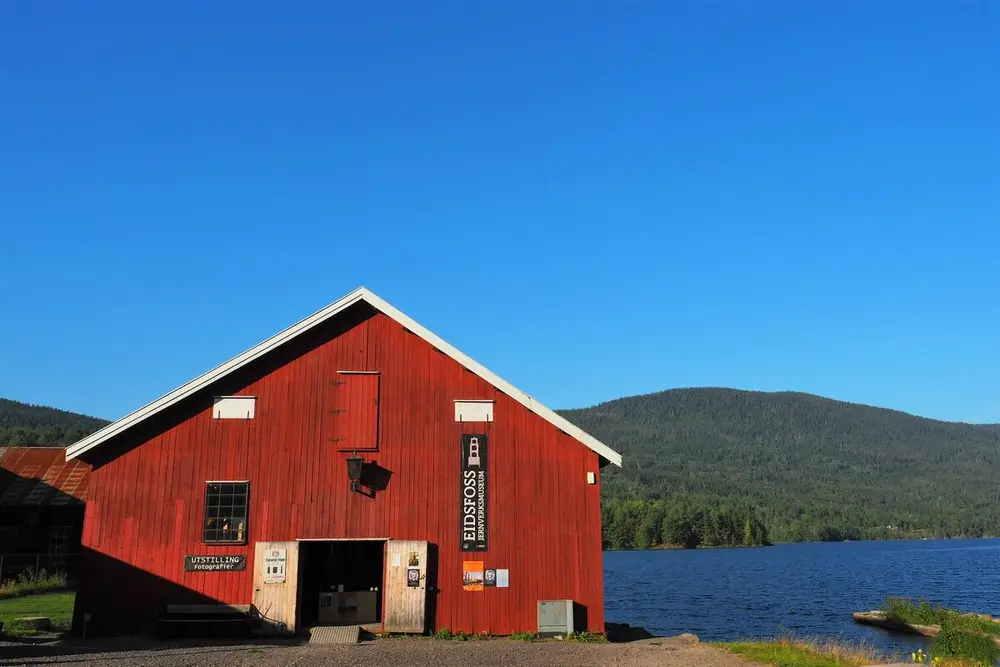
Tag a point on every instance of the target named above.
point(671, 652)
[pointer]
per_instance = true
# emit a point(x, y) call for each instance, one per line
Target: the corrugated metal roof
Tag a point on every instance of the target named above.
point(41, 476)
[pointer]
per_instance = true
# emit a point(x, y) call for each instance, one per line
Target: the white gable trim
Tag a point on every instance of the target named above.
point(279, 339)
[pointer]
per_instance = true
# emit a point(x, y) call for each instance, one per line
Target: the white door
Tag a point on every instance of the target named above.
point(406, 569)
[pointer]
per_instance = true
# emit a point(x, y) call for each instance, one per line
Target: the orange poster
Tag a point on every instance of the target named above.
point(472, 575)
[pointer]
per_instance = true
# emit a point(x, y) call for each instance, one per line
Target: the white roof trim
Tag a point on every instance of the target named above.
point(279, 339)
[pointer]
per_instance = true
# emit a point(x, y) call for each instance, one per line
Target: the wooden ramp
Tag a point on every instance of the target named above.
point(335, 634)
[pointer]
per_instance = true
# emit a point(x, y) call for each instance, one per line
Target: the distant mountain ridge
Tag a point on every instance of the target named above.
point(816, 467)
point(26, 425)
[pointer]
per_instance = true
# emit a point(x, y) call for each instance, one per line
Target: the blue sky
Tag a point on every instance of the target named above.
point(592, 199)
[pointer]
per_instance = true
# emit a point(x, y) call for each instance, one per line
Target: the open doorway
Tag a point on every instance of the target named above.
point(340, 582)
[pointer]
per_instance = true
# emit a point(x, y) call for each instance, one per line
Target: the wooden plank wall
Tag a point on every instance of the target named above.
point(145, 507)
point(404, 606)
point(277, 601)
point(355, 411)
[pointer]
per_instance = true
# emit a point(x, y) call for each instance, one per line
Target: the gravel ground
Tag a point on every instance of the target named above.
point(668, 652)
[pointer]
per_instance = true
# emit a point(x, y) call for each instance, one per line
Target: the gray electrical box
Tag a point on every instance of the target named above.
point(555, 618)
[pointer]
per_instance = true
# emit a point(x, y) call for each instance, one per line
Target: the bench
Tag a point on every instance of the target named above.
point(219, 620)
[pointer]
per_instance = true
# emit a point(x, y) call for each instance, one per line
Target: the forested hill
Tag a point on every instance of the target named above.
point(808, 467)
point(815, 468)
point(27, 425)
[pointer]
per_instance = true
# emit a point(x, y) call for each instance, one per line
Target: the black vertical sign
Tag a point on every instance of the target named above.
point(475, 473)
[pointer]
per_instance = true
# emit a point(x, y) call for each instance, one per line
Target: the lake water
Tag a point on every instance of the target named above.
point(806, 589)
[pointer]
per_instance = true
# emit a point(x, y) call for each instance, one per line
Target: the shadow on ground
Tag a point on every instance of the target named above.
point(80, 648)
point(623, 632)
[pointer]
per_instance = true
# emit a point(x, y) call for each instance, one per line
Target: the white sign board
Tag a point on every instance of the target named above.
point(503, 578)
point(274, 566)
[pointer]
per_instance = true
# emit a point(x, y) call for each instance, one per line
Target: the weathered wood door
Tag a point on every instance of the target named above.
point(275, 585)
point(406, 570)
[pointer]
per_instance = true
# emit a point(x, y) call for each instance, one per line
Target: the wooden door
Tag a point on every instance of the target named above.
point(406, 577)
point(275, 585)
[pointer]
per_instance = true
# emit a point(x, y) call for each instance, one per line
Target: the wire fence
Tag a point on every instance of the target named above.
point(12, 565)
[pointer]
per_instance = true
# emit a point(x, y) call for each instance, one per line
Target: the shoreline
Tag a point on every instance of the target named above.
point(782, 543)
point(671, 547)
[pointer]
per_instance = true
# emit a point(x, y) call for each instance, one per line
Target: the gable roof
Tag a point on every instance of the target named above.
point(317, 318)
point(41, 476)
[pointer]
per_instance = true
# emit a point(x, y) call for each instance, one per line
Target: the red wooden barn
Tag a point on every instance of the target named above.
point(352, 469)
point(41, 509)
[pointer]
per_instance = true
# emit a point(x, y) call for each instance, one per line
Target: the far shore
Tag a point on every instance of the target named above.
point(674, 547)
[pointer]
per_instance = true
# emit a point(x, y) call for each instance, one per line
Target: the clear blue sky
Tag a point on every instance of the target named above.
point(591, 199)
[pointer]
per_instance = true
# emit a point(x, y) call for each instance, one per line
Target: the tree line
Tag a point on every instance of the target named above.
point(54, 436)
point(26, 425)
point(638, 524)
point(814, 469)
point(811, 469)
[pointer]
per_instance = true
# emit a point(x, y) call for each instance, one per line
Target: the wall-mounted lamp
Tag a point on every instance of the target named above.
point(354, 466)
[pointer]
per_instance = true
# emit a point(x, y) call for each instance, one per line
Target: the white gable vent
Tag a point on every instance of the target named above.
point(473, 411)
point(234, 407)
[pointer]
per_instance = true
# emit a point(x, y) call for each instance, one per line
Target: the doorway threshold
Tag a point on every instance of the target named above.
point(335, 634)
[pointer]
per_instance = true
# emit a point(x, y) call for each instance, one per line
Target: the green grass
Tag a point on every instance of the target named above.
point(922, 612)
point(789, 653)
point(975, 647)
point(448, 635)
point(31, 582)
point(963, 636)
point(57, 606)
point(445, 633)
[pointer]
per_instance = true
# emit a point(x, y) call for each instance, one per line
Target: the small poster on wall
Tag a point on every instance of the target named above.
point(491, 578)
point(472, 575)
point(503, 578)
point(414, 559)
point(274, 566)
point(413, 577)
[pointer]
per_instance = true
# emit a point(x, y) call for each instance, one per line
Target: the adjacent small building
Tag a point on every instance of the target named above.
point(352, 469)
point(42, 498)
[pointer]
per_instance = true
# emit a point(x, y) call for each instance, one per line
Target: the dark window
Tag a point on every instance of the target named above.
point(226, 513)
point(60, 542)
point(8, 539)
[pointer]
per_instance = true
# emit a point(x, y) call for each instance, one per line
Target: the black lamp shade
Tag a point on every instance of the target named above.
point(354, 464)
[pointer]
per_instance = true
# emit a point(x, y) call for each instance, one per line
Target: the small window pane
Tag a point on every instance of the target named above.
point(226, 507)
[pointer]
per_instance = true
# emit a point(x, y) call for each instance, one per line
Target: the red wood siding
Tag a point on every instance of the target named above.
point(355, 413)
point(145, 503)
